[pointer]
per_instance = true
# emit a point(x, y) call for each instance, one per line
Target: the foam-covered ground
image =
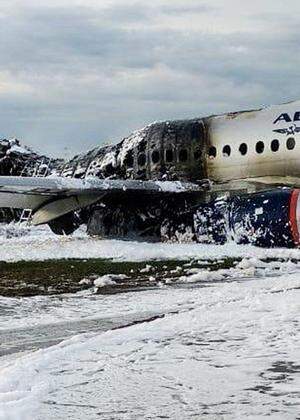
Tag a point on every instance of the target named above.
point(215, 344)
point(39, 243)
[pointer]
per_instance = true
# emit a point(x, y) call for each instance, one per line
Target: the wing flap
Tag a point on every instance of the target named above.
point(54, 209)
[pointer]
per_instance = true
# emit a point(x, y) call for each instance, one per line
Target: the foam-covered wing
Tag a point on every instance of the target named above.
point(53, 197)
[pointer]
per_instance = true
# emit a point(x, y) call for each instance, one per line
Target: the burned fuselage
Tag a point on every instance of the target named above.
point(164, 151)
point(228, 156)
point(236, 146)
point(171, 150)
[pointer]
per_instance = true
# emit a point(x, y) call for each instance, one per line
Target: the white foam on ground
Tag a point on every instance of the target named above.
point(231, 351)
point(37, 311)
point(41, 244)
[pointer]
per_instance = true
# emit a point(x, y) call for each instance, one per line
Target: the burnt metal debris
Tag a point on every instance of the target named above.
point(170, 150)
point(19, 160)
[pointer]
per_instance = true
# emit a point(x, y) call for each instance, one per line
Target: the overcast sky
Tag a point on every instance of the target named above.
point(78, 73)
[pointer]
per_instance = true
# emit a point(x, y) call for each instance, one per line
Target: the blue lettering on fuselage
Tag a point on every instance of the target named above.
point(287, 118)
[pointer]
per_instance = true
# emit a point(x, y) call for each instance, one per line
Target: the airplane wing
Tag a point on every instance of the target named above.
point(53, 197)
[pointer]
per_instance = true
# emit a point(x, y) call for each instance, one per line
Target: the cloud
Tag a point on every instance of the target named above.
point(75, 76)
point(187, 8)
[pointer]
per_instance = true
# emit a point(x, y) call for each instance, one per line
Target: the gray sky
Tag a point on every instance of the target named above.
point(78, 73)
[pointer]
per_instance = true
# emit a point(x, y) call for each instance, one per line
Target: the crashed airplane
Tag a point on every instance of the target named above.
point(227, 177)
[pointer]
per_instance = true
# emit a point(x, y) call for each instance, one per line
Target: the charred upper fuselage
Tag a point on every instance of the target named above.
point(171, 150)
point(230, 147)
point(236, 146)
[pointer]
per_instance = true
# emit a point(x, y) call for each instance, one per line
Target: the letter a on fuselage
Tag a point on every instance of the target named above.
point(283, 117)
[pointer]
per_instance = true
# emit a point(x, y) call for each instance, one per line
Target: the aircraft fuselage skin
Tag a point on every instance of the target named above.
point(263, 143)
point(231, 152)
point(249, 152)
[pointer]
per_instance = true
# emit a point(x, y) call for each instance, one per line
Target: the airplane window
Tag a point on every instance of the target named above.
point(183, 155)
point(109, 170)
point(129, 160)
point(169, 155)
point(226, 151)
point(290, 143)
point(155, 156)
point(243, 149)
point(260, 147)
point(274, 145)
point(212, 152)
point(142, 159)
point(197, 154)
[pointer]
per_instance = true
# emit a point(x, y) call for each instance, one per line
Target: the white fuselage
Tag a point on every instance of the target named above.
point(249, 128)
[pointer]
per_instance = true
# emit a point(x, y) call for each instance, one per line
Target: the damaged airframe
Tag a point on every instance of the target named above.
point(227, 177)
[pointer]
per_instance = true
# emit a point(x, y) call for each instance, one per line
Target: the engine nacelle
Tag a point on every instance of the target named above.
point(268, 219)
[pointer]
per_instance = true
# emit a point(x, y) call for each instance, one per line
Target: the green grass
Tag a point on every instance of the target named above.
point(28, 278)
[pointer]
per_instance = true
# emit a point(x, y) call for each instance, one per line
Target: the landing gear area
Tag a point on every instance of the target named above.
point(66, 225)
point(146, 220)
point(266, 219)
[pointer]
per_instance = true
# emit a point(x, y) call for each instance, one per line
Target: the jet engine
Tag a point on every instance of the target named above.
point(267, 219)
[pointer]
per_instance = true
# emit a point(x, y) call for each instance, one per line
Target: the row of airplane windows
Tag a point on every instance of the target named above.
point(169, 157)
point(259, 148)
point(183, 154)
